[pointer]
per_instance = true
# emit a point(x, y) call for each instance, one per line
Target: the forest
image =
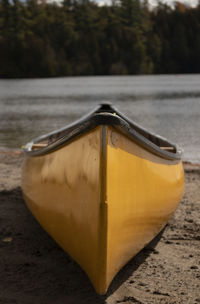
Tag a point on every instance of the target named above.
point(80, 37)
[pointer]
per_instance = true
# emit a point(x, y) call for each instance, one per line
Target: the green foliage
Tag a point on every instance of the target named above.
point(82, 38)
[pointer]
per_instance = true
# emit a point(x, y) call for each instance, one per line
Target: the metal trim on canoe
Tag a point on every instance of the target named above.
point(104, 114)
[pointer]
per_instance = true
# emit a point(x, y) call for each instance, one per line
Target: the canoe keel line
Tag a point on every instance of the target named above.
point(99, 192)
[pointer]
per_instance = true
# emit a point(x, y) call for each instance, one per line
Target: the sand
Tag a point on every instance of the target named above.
point(34, 269)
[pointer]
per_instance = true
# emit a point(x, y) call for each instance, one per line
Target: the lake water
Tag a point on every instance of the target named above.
point(166, 105)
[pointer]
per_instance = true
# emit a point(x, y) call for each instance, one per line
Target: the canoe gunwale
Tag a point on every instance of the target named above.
point(105, 115)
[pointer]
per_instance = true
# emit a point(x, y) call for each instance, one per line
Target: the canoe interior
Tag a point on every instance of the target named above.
point(70, 131)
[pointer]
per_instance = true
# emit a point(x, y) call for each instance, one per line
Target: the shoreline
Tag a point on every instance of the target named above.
point(34, 269)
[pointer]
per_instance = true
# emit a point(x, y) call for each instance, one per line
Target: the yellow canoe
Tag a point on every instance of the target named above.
point(103, 188)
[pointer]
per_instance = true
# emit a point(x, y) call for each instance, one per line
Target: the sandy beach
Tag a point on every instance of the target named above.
point(34, 269)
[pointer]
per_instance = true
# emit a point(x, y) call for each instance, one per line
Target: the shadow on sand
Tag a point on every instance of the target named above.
point(34, 269)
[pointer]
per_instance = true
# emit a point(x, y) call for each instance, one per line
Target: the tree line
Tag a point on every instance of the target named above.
point(79, 37)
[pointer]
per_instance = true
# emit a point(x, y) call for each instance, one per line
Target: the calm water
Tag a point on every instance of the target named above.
point(167, 105)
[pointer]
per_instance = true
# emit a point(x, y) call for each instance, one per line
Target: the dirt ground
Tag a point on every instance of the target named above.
point(34, 269)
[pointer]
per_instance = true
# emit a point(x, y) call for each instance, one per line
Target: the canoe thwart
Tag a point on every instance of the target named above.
point(38, 146)
point(167, 148)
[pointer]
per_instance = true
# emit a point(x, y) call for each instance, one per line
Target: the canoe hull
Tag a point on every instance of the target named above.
point(102, 197)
